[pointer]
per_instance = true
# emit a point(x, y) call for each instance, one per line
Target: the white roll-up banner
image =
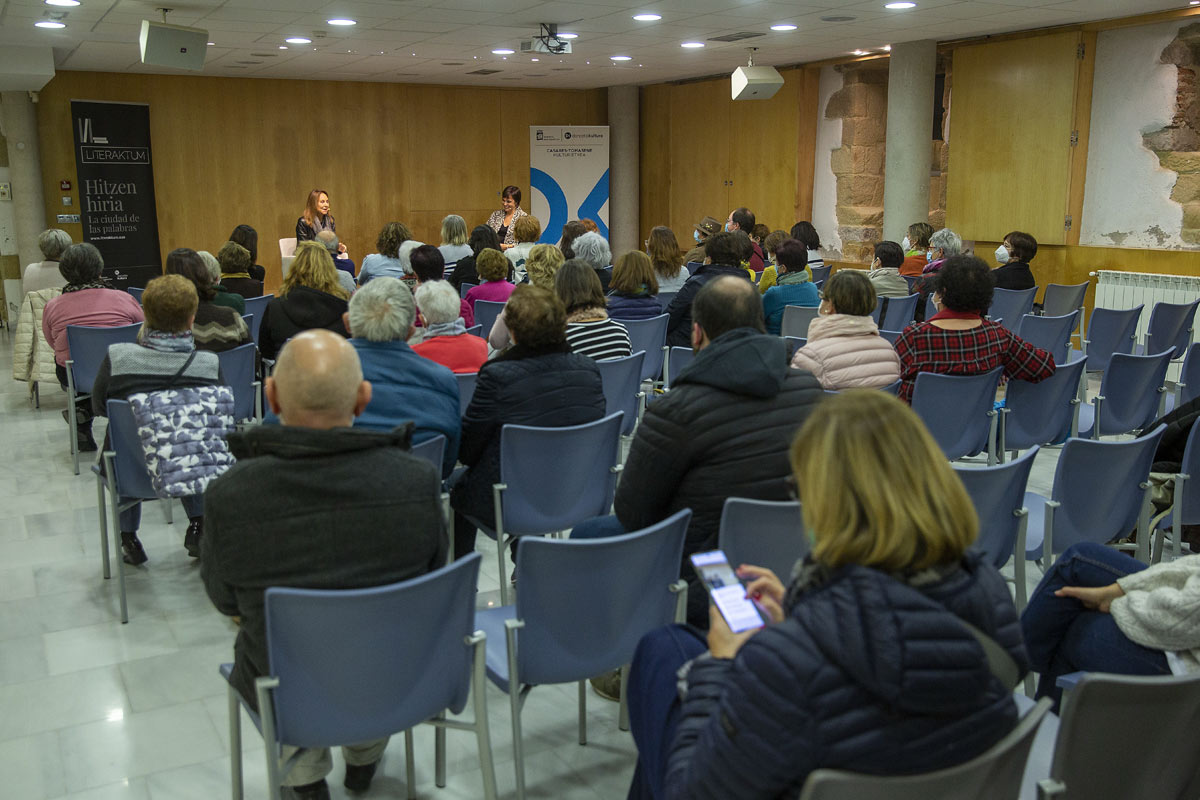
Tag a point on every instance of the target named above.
point(568, 176)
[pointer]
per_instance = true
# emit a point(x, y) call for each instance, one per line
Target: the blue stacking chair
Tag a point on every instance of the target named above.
point(998, 494)
point(486, 312)
point(622, 382)
point(477, 330)
point(796, 320)
point(794, 343)
point(891, 336)
point(911, 280)
point(237, 368)
point(764, 533)
point(583, 607)
point(1052, 334)
point(930, 308)
point(1046, 412)
point(1170, 326)
point(136, 291)
point(1061, 299)
point(545, 487)
point(893, 388)
point(1185, 497)
point(820, 274)
point(433, 450)
point(959, 410)
point(649, 335)
point(1110, 332)
point(257, 306)
point(1132, 395)
point(88, 348)
point(900, 312)
point(1101, 492)
point(666, 298)
point(465, 287)
point(677, 359)
point(466, 389)
point(1011, 304)
point(1188, 386)
point(359, 664)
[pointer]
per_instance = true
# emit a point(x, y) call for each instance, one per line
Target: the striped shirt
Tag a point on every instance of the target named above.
point(600, 339)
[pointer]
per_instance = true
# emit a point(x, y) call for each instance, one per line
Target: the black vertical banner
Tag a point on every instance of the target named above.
point(116, 188)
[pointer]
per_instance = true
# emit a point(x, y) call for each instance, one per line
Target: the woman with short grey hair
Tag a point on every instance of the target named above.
point(44, 274)
point(382, 311)
point(446, 339)
point(942, 245)
point(592, 248)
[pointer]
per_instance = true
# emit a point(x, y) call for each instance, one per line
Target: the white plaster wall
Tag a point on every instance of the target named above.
point(1127, 197)
point(829, 138)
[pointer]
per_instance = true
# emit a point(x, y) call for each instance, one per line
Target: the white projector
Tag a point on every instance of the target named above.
point(548, 45)
point(173, 45)
point(755, 83)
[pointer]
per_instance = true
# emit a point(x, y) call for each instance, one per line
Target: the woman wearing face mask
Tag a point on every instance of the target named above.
point(703, 229)
point(942, 245)
point(1014, 255)
point(915, 247)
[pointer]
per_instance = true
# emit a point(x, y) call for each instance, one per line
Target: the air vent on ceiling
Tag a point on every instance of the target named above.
point(561, 69)
point(736, 37)
point(484, 72)
point(249, 62)
point(453, 63)
point(536, 74)
point(838, 18)
point(265, 55)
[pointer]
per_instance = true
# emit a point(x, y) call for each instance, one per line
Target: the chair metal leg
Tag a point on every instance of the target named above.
point(235, 741)
point(1177, 513)
point(1097, 403)
point(991, 441)
point(266, 710)
point(1019, 561)
point(583, 712)
point(498, 508)
point(514, 701)
point(110, 459)
point(1143, 526)
point(483, 736)
point(102, 509)
point(71, 418)
point(410, 765)
point(1048, 534)
point(167, 513)
point(680, 589)
point(439, 752)
point(623, 714)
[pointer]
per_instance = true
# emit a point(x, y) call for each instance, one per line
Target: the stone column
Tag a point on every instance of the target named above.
point(911, 79)
point(18, 120)
point(624, 185)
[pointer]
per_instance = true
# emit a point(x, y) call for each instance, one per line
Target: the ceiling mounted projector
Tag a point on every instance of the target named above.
point(175, 46)
point(547, 42)
point(755, 83)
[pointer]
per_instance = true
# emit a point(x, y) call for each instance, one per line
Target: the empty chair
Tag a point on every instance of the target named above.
point(1132, 393)
point(1170, 326)
point(678, 358)
point(1088, 472)
point(820, 273)
point(466, 389)
point(1187, 388)
point(622, 381)
point(930, 308)
point(425, 657)
point(1042, 413)
point(959, 411)
point(900, 311)
point(486, 312)
point(1185, 497)
point(1060, 299)
point(1052, 334)
point(238, 371)
point(764, 533)
point(1109, 331)
point(287, 247)
point(582, 608)
point(136, 291)
point(891, 336)
point(476, 330)
point(1011, 304)
point(998, 494)
point(996, 773)
point(649, 335)
point(433, 450)
point(465, 287)
point(796, 319)
point(88, 348)
point(257, 306)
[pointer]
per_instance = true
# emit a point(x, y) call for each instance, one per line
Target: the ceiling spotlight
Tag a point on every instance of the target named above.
point(502, 51)
point(692, 45)
point(620, 58)
point(341, 21)
point(67, 3)
point(783, 27)
point(298, 40)
point(887, 48)
point(568, 36)
point(860, 53)
point(1194, 3)
point(900, 6)
point(647, 17)
point(210, 44)
point(46, 23)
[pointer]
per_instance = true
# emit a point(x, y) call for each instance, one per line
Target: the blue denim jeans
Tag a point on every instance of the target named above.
point(1062, 636)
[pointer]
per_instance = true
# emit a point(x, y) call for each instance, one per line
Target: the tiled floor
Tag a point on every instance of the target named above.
point(93, 709)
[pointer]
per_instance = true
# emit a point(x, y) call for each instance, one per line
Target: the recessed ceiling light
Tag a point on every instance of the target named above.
point(341, 21)
point(298, 40)
point(502, 51)
point(691, 45)
point(283, 47)
point(783, 27)
point(568, 36)
point(210, 44)
point(69, 3)
point(887, 48)
point(46, 23)
point(1194, 3)
point(620, 58)
point(647, 17)
point(900, 6)
point(860, 53)
point(535, 59)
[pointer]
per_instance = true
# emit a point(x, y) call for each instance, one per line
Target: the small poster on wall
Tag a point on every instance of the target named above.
point(568, 172)
point(116, 188)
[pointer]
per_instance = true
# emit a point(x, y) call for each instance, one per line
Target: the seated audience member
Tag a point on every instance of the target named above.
point(885, 271)
point(589, 225)
point(844, 349)
point(247, 237)
point(720, 259)
point(943, 245)
point(482, 238)
point(571, 231)
point(666, 259)
point(454, 239)
point(590, 332)
point(792, 286)
point(44, 274)
point(429, 267)
point(916, 247)
point(87, 299)
point(542, 266)
point(722, 431)
point(493, 268)
point(526, 231)
point(165, 356)
point(806, 234)
point(632, 290)
point(745, 251)
point(315, 504)
point(309, 297)
point(235, 276)
point(742, 219)
point(829, 682)
point(770, 249)
point(704, 230)
point(759, 235)
point(394, 244)
point(592, 248)
point(446, 339)
point(221, 296)
point(537, 381)
point(1014, 255)
point(958, 340)
point(345, 266)
point(216, 328)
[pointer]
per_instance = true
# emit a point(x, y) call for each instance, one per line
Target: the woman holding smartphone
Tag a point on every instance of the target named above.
point(867, 662)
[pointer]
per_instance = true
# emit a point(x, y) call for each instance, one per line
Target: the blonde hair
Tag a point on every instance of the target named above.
point(876, 489)
point(454, 230)
point(542, 264)
point(313, 267)
point(527, 229)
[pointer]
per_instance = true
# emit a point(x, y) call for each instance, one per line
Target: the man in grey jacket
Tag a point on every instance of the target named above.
point(316, 504)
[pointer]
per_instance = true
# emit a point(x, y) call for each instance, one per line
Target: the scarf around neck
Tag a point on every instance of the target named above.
point(99, 283)
point(455, 328)
point(590, 314)
point(167, 342)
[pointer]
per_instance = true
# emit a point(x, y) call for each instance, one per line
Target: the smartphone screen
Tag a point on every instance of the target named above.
point(727, 591)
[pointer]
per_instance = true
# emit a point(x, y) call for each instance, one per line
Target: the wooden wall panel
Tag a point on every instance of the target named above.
point(655, 156)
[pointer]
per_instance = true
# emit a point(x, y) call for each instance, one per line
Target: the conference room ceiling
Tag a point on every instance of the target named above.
point(445, 41)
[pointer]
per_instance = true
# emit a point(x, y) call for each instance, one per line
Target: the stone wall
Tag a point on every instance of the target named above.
point(1178, 144)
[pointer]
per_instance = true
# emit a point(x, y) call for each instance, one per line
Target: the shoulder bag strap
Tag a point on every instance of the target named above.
point(999, 661)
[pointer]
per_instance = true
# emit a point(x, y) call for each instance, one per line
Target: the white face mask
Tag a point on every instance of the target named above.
point(905, 245)
point(1002, 256)
point(696, 236)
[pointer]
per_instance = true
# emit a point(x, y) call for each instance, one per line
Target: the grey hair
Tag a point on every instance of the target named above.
point(52, 242)
point(592, 248)
point(329, 239)
point(946, 240)
point(382, 311)
point(439, 302)
point(214, 266)
point(454, 230)
point(81, 263)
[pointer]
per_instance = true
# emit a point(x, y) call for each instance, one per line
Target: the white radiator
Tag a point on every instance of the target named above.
point(1129, 289)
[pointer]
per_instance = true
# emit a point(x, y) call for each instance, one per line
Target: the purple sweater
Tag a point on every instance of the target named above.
point(496, 291)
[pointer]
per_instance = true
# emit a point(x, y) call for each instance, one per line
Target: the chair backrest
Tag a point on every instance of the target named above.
point(1011, 304)
point(129, 469)
point(1189, 376)
point(1060, 299)
point(550, 488)
point(680, 358)
point(1170, 326)
point(1188, 497)
point(930, 308)
point(465, 287)
point(998, 494)
point(794, 344)
point(486, 312)
point(136, 292)
point(466, 389)
point(649, 335)
point(764, 533)
point(900, 312)
point(432, 450)
point(1131, 388)
point(1052, 334)
point(287, 247)
point(821, 273)
point(796, 319)
point(911, 280)
point(1129, 736)
point(621, 379)
point(333, 689)
point(1089, 470)
point(893, 388)
point(665, 299)
point(1041, 413)
point(891, 336)
point(237, 368)
point(1110, 331)
point(692, 266)
point(89, 346)
point(587, 602)
point(996, 773)
point(956, 408)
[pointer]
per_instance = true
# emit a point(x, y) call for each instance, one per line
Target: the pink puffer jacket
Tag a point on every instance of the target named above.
point(846, 352)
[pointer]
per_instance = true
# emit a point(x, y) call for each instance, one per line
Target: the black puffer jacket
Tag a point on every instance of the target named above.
point(523, 386)
point(302, 309)
point(722, 431)
point(1169, 455)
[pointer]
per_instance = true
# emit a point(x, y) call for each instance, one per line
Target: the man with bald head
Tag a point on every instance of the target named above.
point(317, 504)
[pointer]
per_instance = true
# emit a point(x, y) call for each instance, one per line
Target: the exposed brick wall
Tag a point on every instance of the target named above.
point(1178, 144)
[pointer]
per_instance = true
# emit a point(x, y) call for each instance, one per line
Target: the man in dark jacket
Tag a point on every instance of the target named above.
point(721, 258)
point(316, 504)
point(742, 219)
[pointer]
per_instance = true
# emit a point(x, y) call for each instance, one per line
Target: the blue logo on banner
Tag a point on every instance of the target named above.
point(560, 212)
point(594, 202)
